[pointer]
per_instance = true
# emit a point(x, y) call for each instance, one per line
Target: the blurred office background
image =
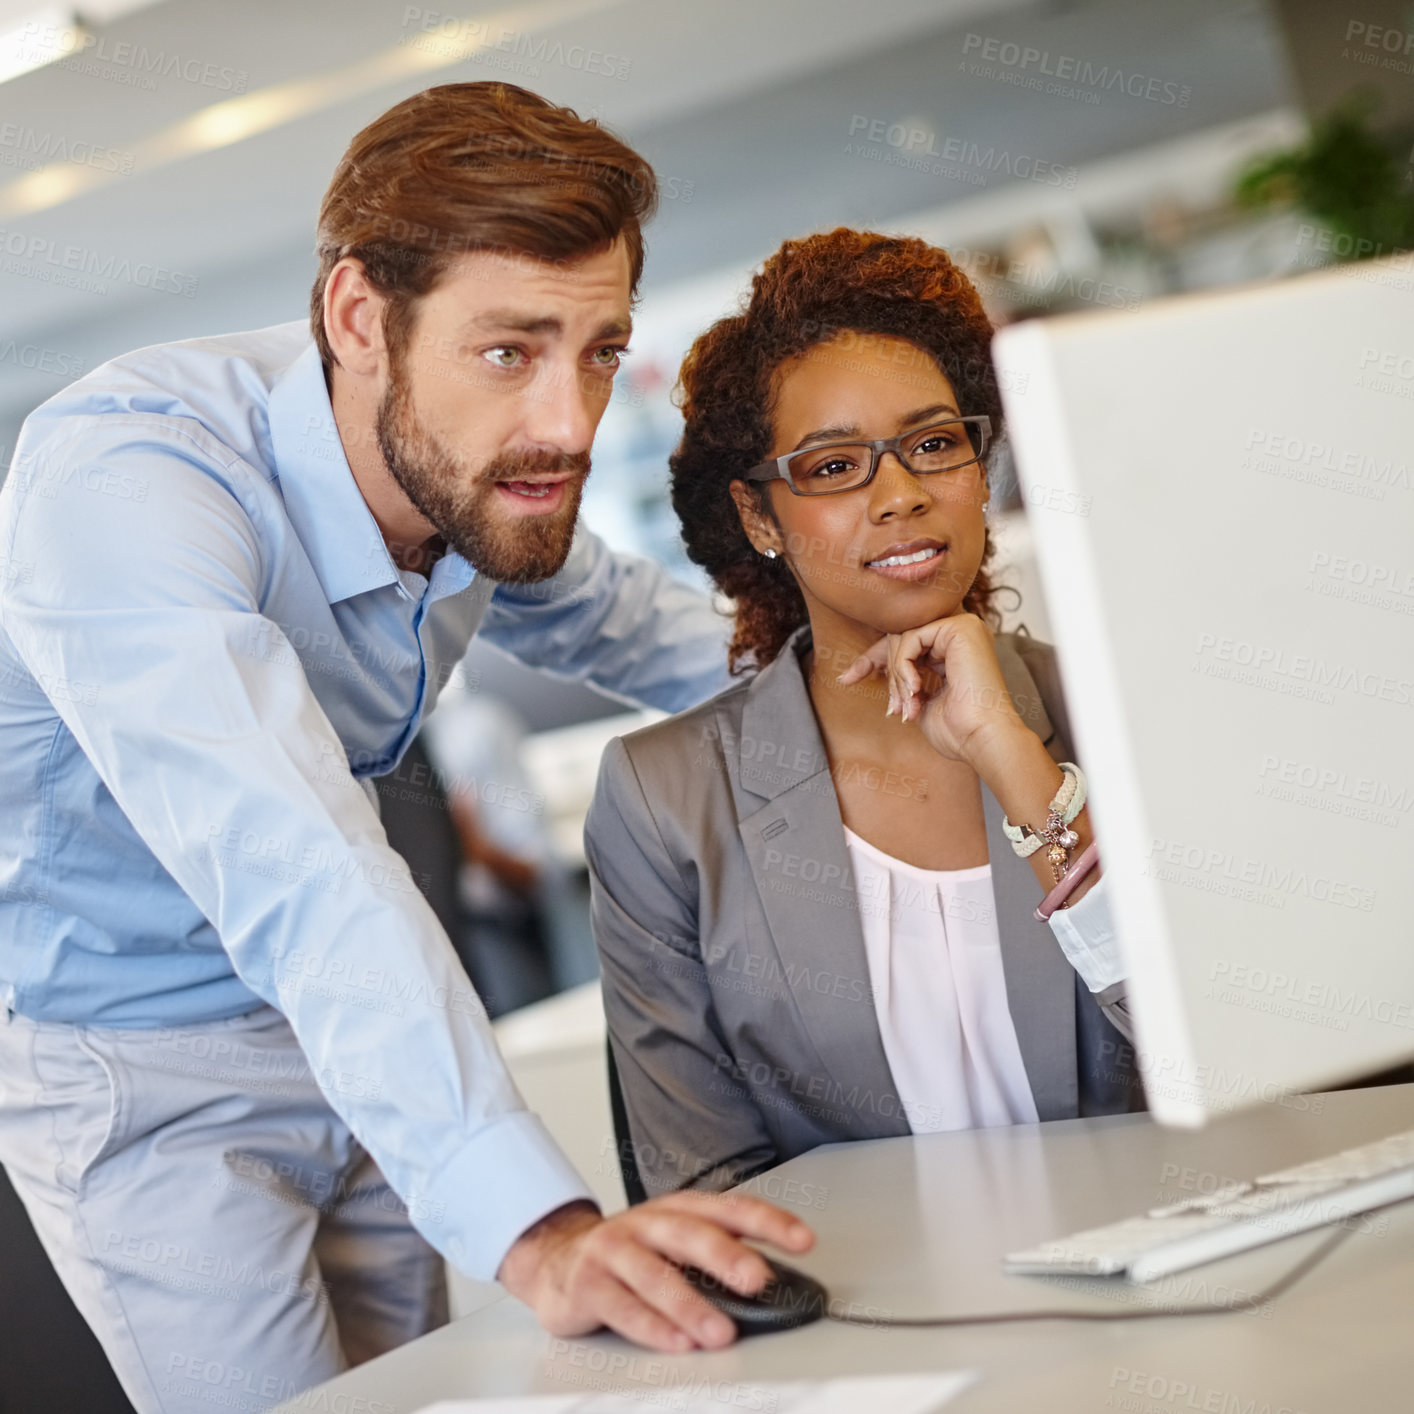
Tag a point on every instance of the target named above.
point(161, 165)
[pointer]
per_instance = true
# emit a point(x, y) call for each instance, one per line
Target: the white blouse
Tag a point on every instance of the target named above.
point(935, 968)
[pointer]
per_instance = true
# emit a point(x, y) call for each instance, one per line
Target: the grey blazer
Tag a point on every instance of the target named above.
point(736, 985)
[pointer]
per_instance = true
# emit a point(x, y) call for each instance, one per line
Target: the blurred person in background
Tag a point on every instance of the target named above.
point(507, 865)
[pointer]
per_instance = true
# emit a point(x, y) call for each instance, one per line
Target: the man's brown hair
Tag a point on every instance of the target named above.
point(474, 167)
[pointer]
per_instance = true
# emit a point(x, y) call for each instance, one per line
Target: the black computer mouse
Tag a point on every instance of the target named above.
point(789, 1299)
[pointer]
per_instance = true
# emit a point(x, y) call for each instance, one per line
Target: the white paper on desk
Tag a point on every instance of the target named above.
point(699, 1394)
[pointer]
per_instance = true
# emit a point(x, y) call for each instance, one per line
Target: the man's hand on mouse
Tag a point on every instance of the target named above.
point(578, 1270)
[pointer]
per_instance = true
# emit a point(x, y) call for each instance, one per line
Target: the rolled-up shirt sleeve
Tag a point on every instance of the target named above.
point(1086, 934)
point(142, 626)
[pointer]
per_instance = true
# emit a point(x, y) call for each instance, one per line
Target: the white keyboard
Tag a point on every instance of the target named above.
point(1233, 1218)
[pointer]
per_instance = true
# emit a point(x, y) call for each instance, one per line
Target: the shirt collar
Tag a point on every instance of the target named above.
point(323, 501)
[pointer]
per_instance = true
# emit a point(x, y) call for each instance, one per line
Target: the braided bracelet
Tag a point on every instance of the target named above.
point(1059, 840)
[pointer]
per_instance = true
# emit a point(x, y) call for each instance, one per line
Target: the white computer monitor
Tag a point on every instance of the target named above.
point(1221, 489)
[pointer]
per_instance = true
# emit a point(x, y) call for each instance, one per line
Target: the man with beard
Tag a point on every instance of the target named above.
point(246, 1092)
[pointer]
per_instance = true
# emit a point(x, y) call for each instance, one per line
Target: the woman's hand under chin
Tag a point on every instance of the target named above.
point(945, 676)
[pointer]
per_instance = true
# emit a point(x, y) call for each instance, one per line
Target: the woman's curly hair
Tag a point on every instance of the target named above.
point(808, 293)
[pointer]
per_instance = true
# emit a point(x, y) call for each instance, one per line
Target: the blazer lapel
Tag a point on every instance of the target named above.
point(1039, 981)
point(1040, 986)
point(790, 826)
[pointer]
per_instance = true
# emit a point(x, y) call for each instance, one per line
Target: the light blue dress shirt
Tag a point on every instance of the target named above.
point(205, 651)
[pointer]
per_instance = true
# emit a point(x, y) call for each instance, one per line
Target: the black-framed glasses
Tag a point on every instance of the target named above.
point(846, 466)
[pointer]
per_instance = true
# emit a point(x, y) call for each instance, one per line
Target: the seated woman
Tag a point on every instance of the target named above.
point(815, 916)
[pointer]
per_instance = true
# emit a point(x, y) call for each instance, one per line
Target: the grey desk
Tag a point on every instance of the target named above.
point(916, 1227)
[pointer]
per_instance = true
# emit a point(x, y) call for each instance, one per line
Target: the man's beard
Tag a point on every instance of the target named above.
point(461, 500)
